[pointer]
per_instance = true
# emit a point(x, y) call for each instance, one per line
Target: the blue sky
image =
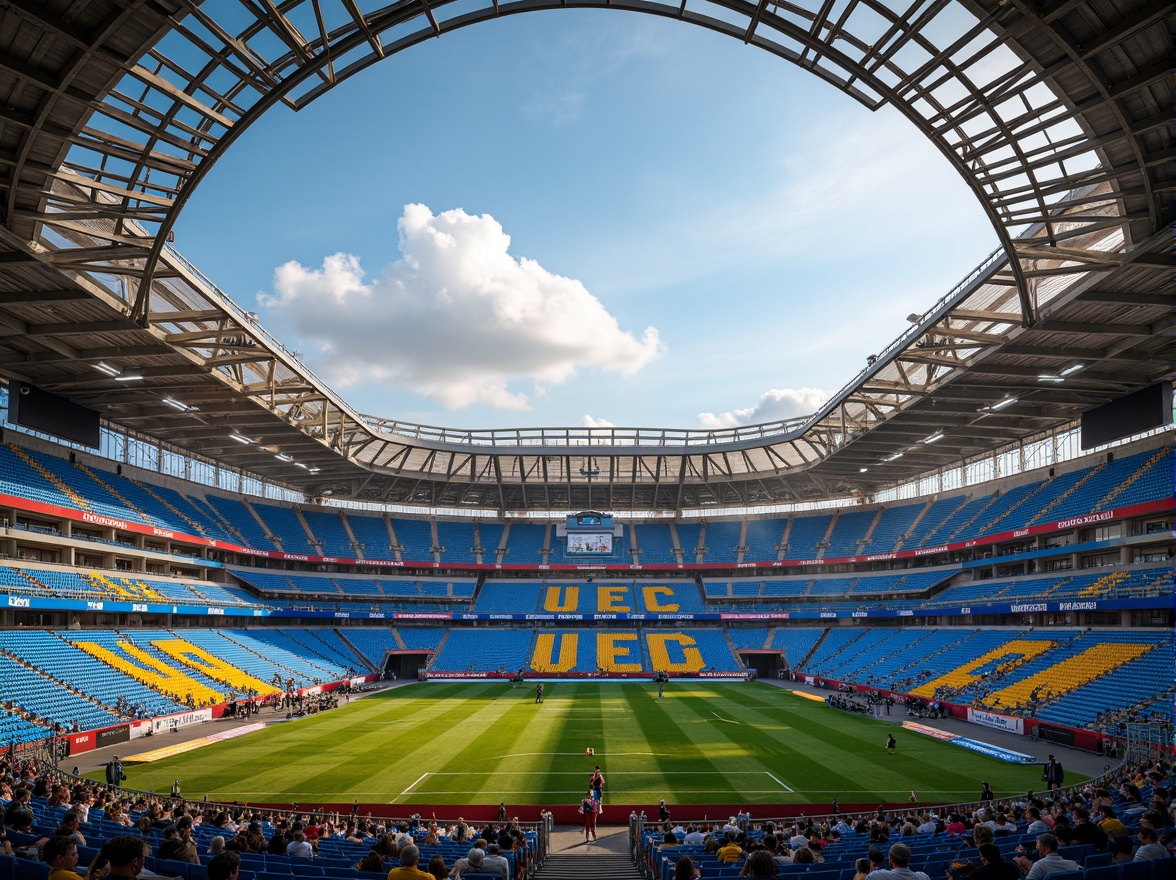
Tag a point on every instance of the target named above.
point(699, 234)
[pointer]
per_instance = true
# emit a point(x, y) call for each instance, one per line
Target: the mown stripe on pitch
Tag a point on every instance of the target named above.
point(658, 719)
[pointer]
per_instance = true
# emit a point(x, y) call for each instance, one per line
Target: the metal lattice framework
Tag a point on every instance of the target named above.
point(1056, 116)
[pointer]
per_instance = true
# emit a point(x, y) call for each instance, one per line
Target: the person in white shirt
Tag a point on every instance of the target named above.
point(1150, 848)
point(1049, 862)
point(300, 847)
point(900, 866)
point(1037, 825)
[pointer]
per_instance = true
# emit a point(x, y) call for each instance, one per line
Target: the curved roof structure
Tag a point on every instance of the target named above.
point(1056, 115)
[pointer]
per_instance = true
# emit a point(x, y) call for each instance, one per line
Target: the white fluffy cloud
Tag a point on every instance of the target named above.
point(590, 422)
point(456, 318)
point(773, 405)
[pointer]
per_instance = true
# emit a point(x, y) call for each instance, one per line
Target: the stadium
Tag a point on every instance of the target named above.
point(237, 607)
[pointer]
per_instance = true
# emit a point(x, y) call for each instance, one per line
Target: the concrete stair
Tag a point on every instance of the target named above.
point(588, 864)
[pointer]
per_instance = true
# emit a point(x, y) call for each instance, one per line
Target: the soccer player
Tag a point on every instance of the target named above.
point(891, 744)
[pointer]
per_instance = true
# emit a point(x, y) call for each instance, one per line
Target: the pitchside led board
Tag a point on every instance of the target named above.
point(590, 535)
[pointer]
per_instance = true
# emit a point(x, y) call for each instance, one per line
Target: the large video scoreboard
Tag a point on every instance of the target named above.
point(590, 535)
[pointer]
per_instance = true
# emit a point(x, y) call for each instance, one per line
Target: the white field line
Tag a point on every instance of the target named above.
point(350, 793)
point(581, 755)
point(778, 782)
point(625, 773)
point(725, 720)
point(414, 785)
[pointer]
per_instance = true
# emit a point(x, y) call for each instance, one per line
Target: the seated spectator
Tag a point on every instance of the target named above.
point(993, 867)
point(408, 870)
point(495, 862)
point(277, 843)
point(437, 867)
point(1121, 849)
point(216, 845)
point(1037, 825)
point(730, 852)
point(69, 828)
point(186, 847)
point(225, 866)
point(1110, 823)
point(122, 857)
point(759, 864)
point(370, 862)
point(1150, 847)
point(386, 846)
point(900, 862)
point(1086, 831)
point(1048, 861)
point(471, 864)
point(300, 847)
point(60, 853)
point(19, 815)
point(685, 870)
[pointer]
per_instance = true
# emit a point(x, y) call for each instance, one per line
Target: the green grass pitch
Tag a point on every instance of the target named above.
point(478, 743)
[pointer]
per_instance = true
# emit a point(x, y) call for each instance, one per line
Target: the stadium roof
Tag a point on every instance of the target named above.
point(1056, 116)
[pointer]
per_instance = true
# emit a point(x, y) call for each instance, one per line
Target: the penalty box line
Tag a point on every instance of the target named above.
point(778, 782)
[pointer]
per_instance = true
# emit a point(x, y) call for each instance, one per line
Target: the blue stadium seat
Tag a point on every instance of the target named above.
point(1105, 872)
point(1141, 870)
point(172, 868)
point(26, 869)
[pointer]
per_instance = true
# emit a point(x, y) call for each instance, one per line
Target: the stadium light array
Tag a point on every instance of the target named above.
point(240, 438)
point(103, 367)
point(893, 457)
point(933, 438)
point(1000, 404)
point(281, 456)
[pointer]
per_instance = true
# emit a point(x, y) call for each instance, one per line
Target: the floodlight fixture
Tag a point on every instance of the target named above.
point(933, 438)
point(240, 438)
point(103, 367)
point(1073, 368)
